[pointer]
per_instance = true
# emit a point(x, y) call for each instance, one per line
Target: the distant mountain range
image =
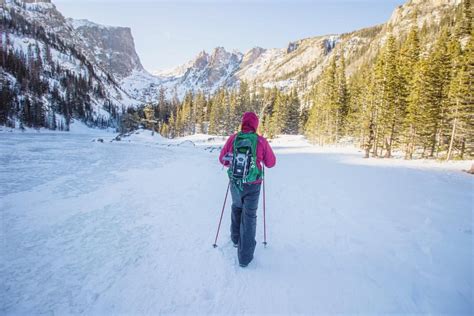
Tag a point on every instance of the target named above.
point(106, 55)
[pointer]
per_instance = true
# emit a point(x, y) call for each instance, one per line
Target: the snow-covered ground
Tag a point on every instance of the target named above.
point(127, 228)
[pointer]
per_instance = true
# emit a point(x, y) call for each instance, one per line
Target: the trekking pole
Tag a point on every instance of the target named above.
point(222, 213)
point(264, 219)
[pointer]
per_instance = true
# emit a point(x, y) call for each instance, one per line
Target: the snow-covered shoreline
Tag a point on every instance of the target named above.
point(297, 143)
point(76, 127)
point(288, 142)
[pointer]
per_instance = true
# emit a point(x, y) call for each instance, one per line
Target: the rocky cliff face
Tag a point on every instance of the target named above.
point(112, 48)
point(37, 1)
point(66, 62)
point(419, 12)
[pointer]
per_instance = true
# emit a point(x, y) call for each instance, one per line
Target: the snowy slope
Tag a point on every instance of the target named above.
point(40, 30)
point(178, 71)
point(142, 86)
point(127, 227)
point(285, 67)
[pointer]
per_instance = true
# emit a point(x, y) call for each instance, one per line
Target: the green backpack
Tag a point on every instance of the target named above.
point(244, 160)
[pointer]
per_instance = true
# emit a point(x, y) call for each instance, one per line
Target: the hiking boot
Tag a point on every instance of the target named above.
point(243, 265)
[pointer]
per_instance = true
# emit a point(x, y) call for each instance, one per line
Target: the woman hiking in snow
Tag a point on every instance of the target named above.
point(244, 153)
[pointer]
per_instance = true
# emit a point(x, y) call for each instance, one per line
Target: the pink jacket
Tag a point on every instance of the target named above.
point(264, 151)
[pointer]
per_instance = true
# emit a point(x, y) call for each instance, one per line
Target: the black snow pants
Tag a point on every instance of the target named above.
point(244, 219)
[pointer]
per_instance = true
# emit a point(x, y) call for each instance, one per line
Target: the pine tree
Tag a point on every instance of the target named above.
point(418, 101)
point(409, 69)
point(409, 57)
point(437, 84)
point(200, 106)
point(186, 116)
point(465, 23)
point(303, 120)
point(461, 104)
point(165, 130)
point(342, 97)
point(391, 111)
point(279, 116)
point(322, 122)
point(172, 133)
point(358, 111)
point(231, 118)
point(291, 125)
point(243, 99)
point(369, 115)
point(216, 117)
point(54, 125)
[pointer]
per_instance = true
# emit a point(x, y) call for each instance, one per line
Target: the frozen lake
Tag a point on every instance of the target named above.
point(127, 227)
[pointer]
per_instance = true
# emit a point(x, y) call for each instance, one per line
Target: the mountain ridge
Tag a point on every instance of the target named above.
point(105, 56)
point(299, 64)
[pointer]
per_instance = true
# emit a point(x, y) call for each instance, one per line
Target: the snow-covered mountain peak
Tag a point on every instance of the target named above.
point(201, 60)
point(112, 47)
point(36, 5)
point(221, 58)
point(219, 50)
point(78, 23)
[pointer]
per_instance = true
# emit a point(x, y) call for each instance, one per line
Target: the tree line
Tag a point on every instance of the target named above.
point(219, 113)
point(414, 98)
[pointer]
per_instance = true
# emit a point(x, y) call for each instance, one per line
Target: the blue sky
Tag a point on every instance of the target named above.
point(168, 33)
